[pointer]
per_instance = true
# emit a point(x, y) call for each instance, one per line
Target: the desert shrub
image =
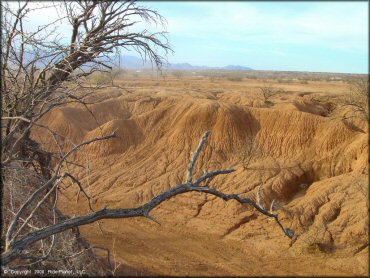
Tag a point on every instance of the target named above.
point(107, 78)
point(178, 73)
point(285, 81)
point(358, 98)
point(235, 78)
point(101, 78)
point(164, 75)
point(268, 91)
point(38, 175)
point(117, 73)
point(212, 78)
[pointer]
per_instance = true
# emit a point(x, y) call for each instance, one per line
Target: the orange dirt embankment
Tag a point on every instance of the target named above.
point(314, 165)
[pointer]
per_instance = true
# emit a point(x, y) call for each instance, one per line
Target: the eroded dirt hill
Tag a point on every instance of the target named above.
point(310, 161)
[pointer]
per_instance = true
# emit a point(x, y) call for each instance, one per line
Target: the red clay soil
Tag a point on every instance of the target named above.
point(314, 165)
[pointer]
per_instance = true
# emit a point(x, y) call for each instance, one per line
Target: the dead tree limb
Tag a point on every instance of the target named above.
point(41, 72)
point(15, 249)
point(49, 185)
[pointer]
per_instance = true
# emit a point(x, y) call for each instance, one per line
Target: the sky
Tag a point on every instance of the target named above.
point(303, 36)
point(288, 36)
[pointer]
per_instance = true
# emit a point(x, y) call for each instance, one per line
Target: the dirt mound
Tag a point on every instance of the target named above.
point(314, 167)
point(128, 134)
point(309, 105)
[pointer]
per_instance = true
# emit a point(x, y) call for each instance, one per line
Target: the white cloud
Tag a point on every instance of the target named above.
point(327, 24)
point(204, 31)
point(332, 25)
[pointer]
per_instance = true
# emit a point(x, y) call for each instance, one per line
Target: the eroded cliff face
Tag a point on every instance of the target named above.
point(313, 164)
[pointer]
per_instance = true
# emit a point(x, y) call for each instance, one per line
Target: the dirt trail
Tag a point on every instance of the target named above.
point(168, 251)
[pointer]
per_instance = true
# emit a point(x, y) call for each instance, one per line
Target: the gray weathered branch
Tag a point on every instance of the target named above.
point(16, 247)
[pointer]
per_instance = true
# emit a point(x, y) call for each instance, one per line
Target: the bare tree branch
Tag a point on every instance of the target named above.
point(49, 185)
point(15, 249)
point(195, 156)
point(41, 72)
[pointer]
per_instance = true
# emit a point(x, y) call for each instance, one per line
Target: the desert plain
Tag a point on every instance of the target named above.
point(305, 151)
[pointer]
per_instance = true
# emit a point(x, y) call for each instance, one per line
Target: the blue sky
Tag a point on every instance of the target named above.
point(297, 36)
point(303, 36)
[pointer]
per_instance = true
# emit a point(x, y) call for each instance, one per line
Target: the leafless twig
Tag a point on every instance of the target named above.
point(16, 247)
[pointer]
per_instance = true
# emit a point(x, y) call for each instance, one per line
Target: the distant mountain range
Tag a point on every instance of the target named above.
point(132, 62)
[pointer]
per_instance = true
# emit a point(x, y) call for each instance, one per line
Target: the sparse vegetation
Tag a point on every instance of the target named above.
point(101, 78)
point(358, 98)
point(96, 31)
point(39, 74)
point(86, 145)
point(235, 78)
point(178, 73)
point(268, 91)
point(285, 81)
